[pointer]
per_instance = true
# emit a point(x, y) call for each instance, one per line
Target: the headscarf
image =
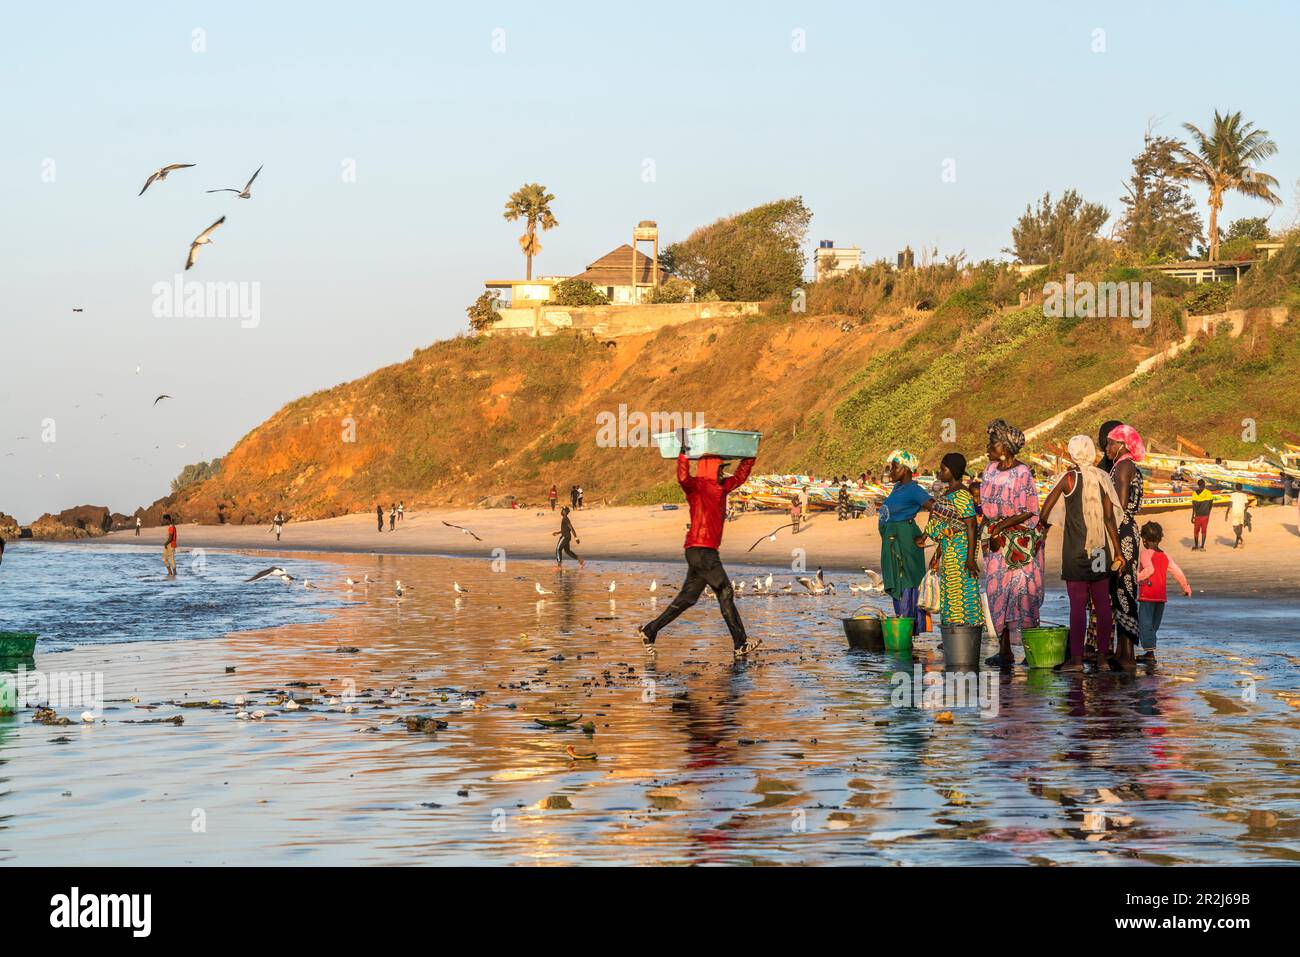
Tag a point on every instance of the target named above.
point(904, 458)
point(1094, 484)
point(955, 463)
point(1000, 430)
point(1132, 441)
point(1103, 436)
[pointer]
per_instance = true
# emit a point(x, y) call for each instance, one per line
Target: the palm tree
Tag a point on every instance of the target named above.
point(1224, 161)
point(531, 203)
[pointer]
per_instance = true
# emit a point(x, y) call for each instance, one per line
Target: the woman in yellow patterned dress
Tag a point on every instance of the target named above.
point(958, 565)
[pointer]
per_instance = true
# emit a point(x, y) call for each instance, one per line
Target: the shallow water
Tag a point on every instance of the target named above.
point(798, 756)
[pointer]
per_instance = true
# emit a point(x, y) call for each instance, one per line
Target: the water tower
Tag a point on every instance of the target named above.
point(646, 231)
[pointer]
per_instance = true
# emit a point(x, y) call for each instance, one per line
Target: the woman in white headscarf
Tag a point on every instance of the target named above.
point(1090, 547)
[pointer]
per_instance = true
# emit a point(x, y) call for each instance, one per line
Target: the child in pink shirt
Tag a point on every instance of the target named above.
point(1153, 564)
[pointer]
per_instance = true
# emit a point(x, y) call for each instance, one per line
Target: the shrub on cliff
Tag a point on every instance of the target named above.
point(748, 257)
point(672, 289)
point(193, 474)
point(578, 292)
point(484, 311)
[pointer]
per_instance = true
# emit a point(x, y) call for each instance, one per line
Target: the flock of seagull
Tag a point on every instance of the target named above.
point(817, 585)
point(204, 238)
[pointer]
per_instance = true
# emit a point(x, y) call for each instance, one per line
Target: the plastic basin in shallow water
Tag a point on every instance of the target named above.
point(897, 633)
point(961, 646)
point(864, 632)
point(1045, 645)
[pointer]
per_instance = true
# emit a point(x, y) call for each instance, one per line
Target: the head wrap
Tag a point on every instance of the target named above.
point(1093, 483)
point(1001, 431)
point(1132, 441)
point(955, 463)
point(904, 458)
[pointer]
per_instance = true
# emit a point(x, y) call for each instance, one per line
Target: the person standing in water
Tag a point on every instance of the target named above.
point(706, 496)
point(169, 547)
point(1125, 450)
point(956, 558)
point(379, 515)
point(567, 533)
point(1153, 570)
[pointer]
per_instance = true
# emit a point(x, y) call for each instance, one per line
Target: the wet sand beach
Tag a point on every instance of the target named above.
point(798, 756)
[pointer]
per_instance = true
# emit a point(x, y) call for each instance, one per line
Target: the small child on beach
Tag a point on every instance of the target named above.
point(796, 513)
point(1153, 564)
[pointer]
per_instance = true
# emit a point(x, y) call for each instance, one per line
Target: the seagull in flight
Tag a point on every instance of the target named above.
point(160, 398)
point(161, 175)
point(202, 239)
point(874, 582)
point(273, 570)
point(244, 193)
point(463, 529)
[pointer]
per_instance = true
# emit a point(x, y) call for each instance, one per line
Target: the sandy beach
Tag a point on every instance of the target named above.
point(1268, 564)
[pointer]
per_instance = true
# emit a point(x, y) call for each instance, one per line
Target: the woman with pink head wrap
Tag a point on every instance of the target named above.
point(1125, 449)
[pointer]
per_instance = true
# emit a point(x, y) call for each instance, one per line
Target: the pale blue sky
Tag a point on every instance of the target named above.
point(356, 275)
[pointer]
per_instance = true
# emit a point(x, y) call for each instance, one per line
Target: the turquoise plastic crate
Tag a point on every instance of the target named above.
point(727, 443)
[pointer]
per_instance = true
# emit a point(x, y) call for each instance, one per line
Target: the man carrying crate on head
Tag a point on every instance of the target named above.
point(706, 494)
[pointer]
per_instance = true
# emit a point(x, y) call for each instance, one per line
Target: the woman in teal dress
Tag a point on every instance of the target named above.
point(959, 572)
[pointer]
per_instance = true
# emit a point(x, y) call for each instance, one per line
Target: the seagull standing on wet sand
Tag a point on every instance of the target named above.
point(161, 175)
point(243, 193)
point(455, 586)
point(202, 239)
point(541, 590)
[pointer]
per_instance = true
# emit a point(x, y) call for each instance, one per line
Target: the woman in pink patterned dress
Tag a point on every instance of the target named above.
point(1013, 560)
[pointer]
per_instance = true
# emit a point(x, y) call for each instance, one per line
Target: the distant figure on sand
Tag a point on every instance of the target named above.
point(169, 547)
point(579, 496)
point(796, 513)
point(1202, 506)
point(401, 511)
point(567, 533)
point(137, 526)
point(392, 517)
point(379, 514)
point(278, 524)
point(706, 494)
point(573, 496)
point(1238, 514)
point(552, 495)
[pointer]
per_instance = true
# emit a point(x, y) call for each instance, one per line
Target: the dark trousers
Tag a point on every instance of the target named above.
point(703, 568)
point(561, 549)
point(1080, 592)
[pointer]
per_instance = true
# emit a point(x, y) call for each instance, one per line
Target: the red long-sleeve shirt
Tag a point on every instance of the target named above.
point(707, 497)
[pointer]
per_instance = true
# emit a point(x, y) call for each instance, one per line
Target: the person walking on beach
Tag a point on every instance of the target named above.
point(706, 496)
point(379, 515)
point(1090, 547)
point(580, 497)
point(1125, 449)
point(169, 547)
point(567, 533)
point(573, 496)
point(392, 517)
point(796, 513)
point(401, 511)
point(552, 495)
point(137, 526)
point(1153, 567)
point(278, 524)
point(1202, 505)
point(1013, 558)
point(1238, 514)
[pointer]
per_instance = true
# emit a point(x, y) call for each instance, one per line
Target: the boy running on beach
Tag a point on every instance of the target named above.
point(169, 547)
point(1153, 564)
point(566, 533)
point(706, 494)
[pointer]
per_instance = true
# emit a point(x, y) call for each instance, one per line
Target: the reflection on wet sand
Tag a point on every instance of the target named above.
point(795, 757)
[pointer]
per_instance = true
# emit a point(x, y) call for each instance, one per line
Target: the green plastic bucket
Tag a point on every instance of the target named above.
point(897, 633)
point(17, 644)
point(1045, 645)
